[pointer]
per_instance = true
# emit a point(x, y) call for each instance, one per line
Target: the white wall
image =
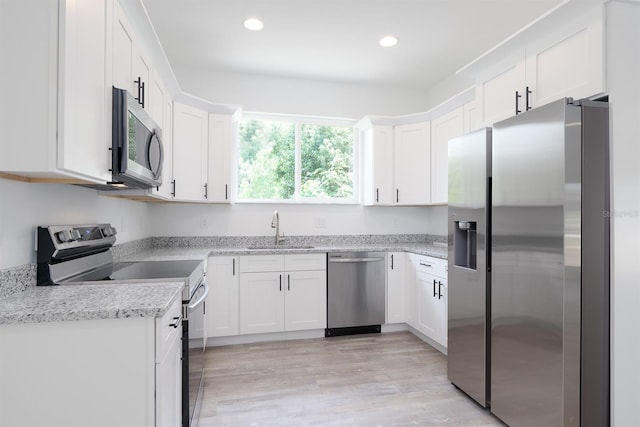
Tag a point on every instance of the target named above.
point(23, 206)
point(255, 220)
point(298, 96)
point(623, 82)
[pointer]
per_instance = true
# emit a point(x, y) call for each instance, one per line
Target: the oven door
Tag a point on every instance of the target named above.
point(193, 344)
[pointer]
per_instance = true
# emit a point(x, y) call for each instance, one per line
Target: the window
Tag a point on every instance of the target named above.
point(297, 160)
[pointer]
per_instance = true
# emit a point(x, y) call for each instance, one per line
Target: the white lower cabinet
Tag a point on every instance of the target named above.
point(305, 305)
point(276, 300)
point(410, 290)
point(101, 372)
point(168, 402)
point(431, 298)
point(223, 302)
point(261, 302)
point(396, 284)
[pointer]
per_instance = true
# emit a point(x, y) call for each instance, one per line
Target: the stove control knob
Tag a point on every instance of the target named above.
point(75, 235)
point(64, 236)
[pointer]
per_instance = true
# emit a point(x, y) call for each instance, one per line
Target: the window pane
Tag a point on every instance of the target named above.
point(327, 161)
point(267, 160)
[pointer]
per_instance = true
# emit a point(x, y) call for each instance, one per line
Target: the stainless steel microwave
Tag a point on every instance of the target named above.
point(137, 151)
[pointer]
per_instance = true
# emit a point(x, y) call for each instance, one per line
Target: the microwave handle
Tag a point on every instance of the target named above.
point(155, 137)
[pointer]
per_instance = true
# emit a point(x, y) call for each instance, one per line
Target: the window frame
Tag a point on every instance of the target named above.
point(299, 120)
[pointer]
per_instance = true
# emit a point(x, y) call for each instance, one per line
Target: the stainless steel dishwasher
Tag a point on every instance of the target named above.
point(355, 292)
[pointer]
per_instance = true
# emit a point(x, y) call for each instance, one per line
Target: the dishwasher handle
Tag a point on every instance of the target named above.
point(352, 260)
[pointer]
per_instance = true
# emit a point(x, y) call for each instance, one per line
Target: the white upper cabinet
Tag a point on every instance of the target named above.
point(130, 63)
point(221, 128)
point(190, 139)
point(54, 90)
point(553, 61)
point(497, 94)
point(378, 167)
point(411, 164)
point(397, 164)
point(122, 57)
point(450, 125)
point(572, 66)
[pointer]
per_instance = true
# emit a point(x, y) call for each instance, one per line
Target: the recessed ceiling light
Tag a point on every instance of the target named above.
point(253, 24)
point(388, 41)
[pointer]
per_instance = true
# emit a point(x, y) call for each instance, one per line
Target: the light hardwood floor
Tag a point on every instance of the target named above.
point(391, 379)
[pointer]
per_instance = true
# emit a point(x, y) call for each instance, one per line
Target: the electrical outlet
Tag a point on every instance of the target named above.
point(321, 222)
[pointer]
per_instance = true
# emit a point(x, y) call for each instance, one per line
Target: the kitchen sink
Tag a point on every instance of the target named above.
point(276, 247)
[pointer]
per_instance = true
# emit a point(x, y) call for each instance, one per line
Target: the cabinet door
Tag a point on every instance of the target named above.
point(142, 71)
point(410, 293)
point(223, 302)
point(451, 125)
point(431, 306)
point(497, 94)
point(395, 287)
point(443, 297)
point(82, 90)
point(168, 387)
point(571, 67)
point(378, 166)
point(190, 127)
point(220, 143)
point(411, 164)
point(470, 117)
point(305, 300)
point(261, 302)
point(122, 56)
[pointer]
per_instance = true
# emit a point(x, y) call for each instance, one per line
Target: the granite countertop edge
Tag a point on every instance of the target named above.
point(163, 254)
point(43, 304)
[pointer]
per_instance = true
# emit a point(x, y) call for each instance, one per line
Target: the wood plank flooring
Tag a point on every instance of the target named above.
point(391, 379)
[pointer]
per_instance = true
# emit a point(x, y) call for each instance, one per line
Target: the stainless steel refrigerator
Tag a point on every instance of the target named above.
point(468, 259)
point(546, 330)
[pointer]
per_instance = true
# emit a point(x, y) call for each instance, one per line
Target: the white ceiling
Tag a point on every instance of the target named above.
point(337, 40)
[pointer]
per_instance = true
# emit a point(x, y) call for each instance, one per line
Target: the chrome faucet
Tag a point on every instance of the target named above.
point(275, 223)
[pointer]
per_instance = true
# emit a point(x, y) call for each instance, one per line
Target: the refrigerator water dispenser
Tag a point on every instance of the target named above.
point(465, 244)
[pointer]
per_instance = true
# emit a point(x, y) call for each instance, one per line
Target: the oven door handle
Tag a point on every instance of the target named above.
point(197, 302)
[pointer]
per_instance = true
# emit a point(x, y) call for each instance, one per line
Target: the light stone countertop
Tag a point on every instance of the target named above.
point(40, 304)
point(152, 299)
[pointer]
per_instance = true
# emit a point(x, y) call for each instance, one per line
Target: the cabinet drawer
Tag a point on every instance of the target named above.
point(305, 262)
point(259, 263)
point(168, 329)
point(430, 265)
